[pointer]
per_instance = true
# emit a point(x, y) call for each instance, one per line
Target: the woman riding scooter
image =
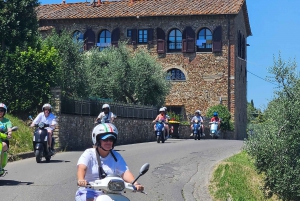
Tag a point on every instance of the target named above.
point(161, 117)
point(104, 137)
point(5, 126)
point(199, 118)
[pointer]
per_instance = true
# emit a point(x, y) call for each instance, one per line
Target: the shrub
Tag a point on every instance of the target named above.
point(224, 114)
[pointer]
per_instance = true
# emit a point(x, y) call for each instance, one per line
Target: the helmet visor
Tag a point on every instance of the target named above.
point(107, 136)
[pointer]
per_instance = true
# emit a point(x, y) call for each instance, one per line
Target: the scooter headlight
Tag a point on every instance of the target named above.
point(116, 185)
point(41, 125)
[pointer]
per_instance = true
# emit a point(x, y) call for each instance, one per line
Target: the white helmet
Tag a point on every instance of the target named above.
point(165, 108)
point(105, 106)
point(198, 111)
point(103, 131)
point(2, 105)
point(162, 109)
point(47, 105)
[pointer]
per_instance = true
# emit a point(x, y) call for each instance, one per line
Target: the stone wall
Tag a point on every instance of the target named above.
point(75, 132)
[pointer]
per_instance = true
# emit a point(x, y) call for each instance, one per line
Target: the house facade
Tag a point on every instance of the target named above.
point(200, 43)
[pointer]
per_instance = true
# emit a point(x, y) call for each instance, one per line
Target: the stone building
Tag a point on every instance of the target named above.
point(200, 43)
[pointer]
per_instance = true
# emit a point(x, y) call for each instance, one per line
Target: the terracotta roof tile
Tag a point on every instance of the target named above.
point(139, 8)
point(143, 8)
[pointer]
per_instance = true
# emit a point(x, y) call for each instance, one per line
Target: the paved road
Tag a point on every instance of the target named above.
point(179, 170)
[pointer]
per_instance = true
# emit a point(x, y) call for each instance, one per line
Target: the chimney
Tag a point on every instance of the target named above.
point(131, 1)
point(99, 3)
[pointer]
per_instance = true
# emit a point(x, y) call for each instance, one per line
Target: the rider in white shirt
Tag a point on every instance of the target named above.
point(47, 117)
point(105, 116)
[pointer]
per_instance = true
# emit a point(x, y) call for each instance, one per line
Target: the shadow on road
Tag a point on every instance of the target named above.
point(56, 161)
point(14, 183)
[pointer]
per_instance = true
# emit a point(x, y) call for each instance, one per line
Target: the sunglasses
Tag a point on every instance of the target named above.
point(110, 139)
point(2, 110)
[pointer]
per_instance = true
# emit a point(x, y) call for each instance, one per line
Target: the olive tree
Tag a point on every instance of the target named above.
point(275, 145)
point(127, 76)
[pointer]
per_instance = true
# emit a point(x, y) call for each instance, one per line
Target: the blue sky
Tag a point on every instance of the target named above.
point(275, 26)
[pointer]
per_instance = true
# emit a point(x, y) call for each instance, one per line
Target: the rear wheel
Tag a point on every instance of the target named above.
point(38, 156)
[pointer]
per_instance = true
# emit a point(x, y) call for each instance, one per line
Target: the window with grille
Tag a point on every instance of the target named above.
point(143, 36)
point(104, 39)
point(174, 41)
point(175, 74)
point(204, 40)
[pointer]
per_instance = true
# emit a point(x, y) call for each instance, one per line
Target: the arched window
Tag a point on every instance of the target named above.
point(204, 40)
point(77, 36)
point(174, 41)
point(104, 39)
point(175, 74)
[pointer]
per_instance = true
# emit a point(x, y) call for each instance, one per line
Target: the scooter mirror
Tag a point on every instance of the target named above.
point(30, 117)
point(144, 168)
point(14, 128)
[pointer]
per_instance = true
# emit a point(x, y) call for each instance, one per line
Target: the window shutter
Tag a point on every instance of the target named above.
point(160, 46)
point(150, 36)
point(184, 45)
point(188, 40)
point(134, 36)
point(160, 40)
point(89, 39)
point(217, 39)
point(115, 37)
point(190, 43)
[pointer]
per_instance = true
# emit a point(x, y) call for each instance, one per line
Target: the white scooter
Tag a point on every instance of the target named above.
point(113, 186)
point(214, 132)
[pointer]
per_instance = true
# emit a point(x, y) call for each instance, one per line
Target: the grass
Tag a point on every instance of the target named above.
point(21, 140)
point(236, 179)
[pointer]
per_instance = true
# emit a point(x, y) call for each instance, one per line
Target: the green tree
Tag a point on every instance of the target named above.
point(127, 76)
point(72, 77)
point(27, 77)
point(224, 114)
point(18, 24)
point(275, 145)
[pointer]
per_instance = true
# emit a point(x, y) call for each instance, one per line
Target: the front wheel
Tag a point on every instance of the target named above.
point(38, 156)
point(158, 139)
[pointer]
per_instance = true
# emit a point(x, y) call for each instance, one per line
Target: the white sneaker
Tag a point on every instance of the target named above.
point(191, 134)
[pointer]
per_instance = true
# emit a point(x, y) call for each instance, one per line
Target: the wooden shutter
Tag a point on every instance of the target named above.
point(115, 37)
point(190, 37)
point(188, 40)
point(217, 39)
point(150, 36)
point(134, 36)
point(160, 35)
point(184, 45)
point(89, 39)
point(160, 46)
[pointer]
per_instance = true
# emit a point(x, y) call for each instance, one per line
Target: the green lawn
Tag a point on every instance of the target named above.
point(21, 140)
point(236, 179)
